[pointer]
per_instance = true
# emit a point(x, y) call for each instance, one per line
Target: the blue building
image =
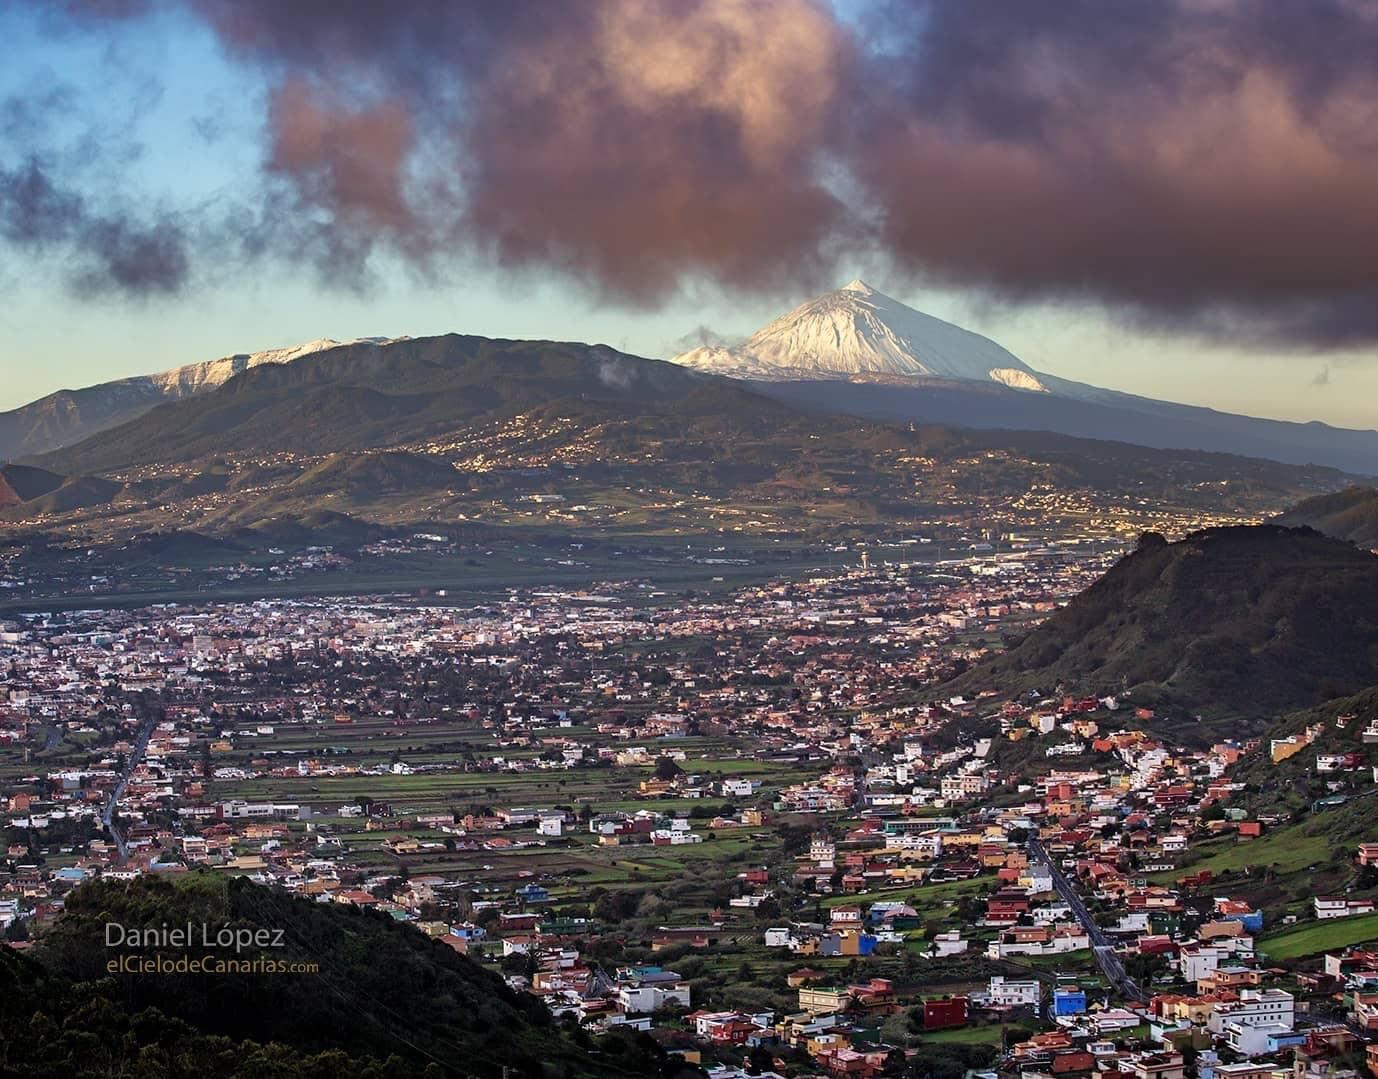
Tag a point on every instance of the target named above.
point(1069, 1000)
point(1251, 920)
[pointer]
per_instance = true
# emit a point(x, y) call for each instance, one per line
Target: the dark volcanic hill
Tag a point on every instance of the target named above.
point(20, 483)
point(381, 991)
point(1242, 622)
point(385, 471)
point(36, 491)
point(1351, 514)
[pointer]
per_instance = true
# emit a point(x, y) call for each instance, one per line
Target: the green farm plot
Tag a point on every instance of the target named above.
point(982, 1035)
point(1288, 850)
point(1062, 961)
point(922, 897)
point(571, 866)
point(438, 790)
point(1313, 938)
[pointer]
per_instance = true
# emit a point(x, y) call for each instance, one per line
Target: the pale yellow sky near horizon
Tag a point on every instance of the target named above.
point(91, 343)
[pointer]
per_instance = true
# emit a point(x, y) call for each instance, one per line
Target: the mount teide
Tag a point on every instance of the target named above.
point(858, 333)
point(858, 351)
point(853, 351)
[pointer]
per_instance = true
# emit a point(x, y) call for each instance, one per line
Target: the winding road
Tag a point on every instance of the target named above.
point(136, 755)
point(1106, 957)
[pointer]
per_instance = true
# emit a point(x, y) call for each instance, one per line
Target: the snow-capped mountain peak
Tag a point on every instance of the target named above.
point(856, 332)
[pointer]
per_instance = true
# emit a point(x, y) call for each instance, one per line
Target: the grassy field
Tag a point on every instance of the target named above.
point(1287, 850)
point(1314, 938)
point(983, 1035)
point(922, 897)
point(1066, 961)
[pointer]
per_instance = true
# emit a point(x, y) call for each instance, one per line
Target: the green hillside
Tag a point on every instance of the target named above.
point(1239, 623)
point(1293, 784)
point(364, 396)
point(451, 432)
point(385, 1000)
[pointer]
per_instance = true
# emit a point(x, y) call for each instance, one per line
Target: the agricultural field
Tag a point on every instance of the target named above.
point(1315, 938)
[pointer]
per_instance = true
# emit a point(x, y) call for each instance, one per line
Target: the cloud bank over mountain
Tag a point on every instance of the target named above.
point(1203, 166)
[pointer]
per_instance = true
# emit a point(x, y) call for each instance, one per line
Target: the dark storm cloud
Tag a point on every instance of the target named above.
point(102, 243)
point(104, 251)
point(1204, 165)
point(1207, 166)
point(631, 146)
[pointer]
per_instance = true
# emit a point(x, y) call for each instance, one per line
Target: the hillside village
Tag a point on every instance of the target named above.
point(746, 826)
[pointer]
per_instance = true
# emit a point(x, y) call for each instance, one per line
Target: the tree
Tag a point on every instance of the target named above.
point(896, 1029)
point(667, 769)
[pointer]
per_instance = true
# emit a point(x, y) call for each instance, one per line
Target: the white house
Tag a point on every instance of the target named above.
point(1050, 913)
point(648, 998)
point(1006, 991)
point(1338, 906)
point(1037, 878)
point(1255, 1008)
point(1253, 1041)
point(1112, 1019)
point(1196, 961)
point(949, 943)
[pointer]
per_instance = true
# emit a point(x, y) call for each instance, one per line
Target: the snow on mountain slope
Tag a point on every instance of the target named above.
point(856, 332)
point(68, 416)
point(200, 377)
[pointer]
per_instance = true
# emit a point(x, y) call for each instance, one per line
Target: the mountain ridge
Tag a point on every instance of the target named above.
point(480, 431)
point(67, 416)
point(1351, 514)
point(371, 396)
point(1232, 622)
point(852, 351)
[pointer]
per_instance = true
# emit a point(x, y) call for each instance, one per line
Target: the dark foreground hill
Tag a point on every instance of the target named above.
point(1351, 514)
point(1243, 623)
point(386, 1000)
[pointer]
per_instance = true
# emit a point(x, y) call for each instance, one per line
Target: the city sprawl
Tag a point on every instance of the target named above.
point(748, 823)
